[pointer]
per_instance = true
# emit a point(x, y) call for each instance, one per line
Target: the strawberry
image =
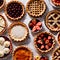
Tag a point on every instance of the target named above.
point(49, 37)
point(47, 47)
point(46, 41)
point(39, 24)
point(34, 22)
point(38, 28)
point(42, 46)
point(34, 29)
point(40, 42)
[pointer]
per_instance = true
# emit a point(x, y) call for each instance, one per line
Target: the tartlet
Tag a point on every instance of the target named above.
point(18, 31)
point(52, 20)
point(56, 54)
point(44, 42)
point(36, 8)
point(5, 47)
point(22, 53)
point(14, 10)
point(3, 24)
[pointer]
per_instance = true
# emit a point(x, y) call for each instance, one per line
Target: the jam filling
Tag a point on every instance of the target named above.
point(1, 2)
point(44, 58)
point(57, 1)
point(14, 10)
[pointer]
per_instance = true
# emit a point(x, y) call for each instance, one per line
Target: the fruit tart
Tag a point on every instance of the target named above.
point(5, 47)
point(52, 20)
point(14, 10)
point(44, 42)
point(36, 8)
point(22, 53)
point(35, 25)
point(18, 31)
point(56, 54)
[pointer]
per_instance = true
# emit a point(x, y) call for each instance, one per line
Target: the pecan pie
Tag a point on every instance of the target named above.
point(53, 20)
point(22, 53)
point(36, 8)
point(44, 42)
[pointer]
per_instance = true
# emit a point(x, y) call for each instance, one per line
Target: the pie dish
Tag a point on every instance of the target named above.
point(3, 24)
point(18, 31)
point(36, 8)
point(35, 25)
point(5, 47)
point(22, 53)
point(14, 10)
point(44, 42)
point(52, 20)
point(56, 54)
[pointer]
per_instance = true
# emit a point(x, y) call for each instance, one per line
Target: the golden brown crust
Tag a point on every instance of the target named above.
point(47, 21)
point(14, 19)
point(21, 47)
point(36, 13)
point(18, 23)
point(49, 48)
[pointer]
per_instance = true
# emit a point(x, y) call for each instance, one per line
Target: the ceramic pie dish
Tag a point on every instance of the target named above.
point(5, 47)
point(3, 24)
point(18, 31)
point(52, 20)
point(56, 54)
point(14, 10)
point(36, 8)
point(22, 53)
point(44, 42)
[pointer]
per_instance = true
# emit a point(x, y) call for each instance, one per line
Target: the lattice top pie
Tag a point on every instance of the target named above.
point(36, 8)
point(53, 20)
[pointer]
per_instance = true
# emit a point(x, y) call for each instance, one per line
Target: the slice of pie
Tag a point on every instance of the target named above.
point(18, 31)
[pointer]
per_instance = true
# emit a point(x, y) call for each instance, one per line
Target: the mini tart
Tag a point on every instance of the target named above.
point(22, 53)
point(36, 8)
point(3, 24)
point(44, 42)
point(14, 10)
point(56, 54)
point(10, 47)
point(53, 20)
point(18, 31)
point(56, 2)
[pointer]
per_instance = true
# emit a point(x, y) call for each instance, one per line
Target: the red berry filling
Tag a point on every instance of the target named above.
point(57, 1)
point(35, 25)
point(44, 58)
point(44, 41)
point(1, 2)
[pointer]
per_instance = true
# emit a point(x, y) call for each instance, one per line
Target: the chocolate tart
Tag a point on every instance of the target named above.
point(6, 54)
point(3, 24)
point(52, 20)
point(14, 10)
point(36, 8)
point(44, 42)
point(22, 53)
point(56, 54)
point(18, 31)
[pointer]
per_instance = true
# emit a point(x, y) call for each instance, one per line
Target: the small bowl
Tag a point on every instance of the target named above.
point(35, 25)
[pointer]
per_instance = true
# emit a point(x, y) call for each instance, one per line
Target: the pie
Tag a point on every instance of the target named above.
point(5, 47)
point(22, 53)
point(53, 20)
point(35, 25)
point(18, 31)
point(14, 10)
point(44, 42)
point(36, 8)
point(3, 24)
point(56, 54)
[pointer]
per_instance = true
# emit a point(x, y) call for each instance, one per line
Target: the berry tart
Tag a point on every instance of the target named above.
point(3, 24)
point(56, 54)
point(44, 42)
point(52, 20)
point(35, 25)
point(18, 31)
point(14, 10)
point(5, 47)
point(22, 53)
point(36, 8)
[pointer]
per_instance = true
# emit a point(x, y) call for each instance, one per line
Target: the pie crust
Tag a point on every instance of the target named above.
point(13, 18)
point(36, 8)
point(52, 20)
point(23, 52)
point(44, 51)
point(18, 27)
